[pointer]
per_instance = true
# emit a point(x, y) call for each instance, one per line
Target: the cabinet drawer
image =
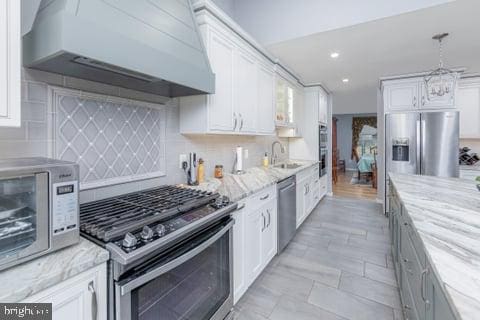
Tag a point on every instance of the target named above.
point(414, 239)
point(413, 271)
point(306, 173)
point(408, 308)
point(263, 196)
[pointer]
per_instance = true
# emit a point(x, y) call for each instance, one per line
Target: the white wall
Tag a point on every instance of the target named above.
point(273, 21)
point(356, 100)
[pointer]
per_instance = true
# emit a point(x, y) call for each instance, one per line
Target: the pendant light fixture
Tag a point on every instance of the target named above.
point(440, 81)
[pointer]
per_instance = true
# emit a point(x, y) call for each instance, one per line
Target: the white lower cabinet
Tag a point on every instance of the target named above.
point(254, 252)
point(239, 238)
point(82, 297)
point(310, 190)
point(254, 238)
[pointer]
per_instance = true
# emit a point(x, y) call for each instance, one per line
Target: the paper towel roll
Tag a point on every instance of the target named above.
point(239, 154)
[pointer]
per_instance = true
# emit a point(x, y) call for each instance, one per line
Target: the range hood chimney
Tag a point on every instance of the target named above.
point(152, 46)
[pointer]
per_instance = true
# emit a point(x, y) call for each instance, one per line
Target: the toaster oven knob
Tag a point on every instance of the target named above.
point(147, 233)
point(129, 241)
point(161, 230)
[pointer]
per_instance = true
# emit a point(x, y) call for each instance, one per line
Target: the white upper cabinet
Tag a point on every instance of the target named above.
point(265, 112)
point(288, 99)
point(401, 96)
point(445, 101)
point(245, 103)
point(323, 107)
point(243, 100)
point(221, 53)
point(468, 103)
point(411, 94)
point(10, 63)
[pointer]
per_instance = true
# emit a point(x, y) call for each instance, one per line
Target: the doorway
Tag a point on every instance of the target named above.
point(354, 156)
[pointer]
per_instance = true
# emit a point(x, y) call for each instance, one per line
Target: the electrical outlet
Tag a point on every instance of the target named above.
point(182, 159)
point(245, 154)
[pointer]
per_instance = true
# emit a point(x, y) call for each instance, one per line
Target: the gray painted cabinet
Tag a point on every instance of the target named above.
point(420, 290)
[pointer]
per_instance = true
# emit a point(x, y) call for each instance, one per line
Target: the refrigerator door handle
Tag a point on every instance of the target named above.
point(418, 148)
point(423, 143)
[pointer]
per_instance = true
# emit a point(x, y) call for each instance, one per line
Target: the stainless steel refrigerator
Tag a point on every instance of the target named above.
point(422, 143)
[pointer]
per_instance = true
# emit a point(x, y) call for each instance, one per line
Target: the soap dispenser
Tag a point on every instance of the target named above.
point(265, 160)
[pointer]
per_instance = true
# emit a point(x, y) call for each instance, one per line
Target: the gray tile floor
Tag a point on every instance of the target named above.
point(338, 266)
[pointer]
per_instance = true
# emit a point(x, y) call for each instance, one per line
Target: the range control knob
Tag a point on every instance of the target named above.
point(129, 241)
point(147, 233)
point(161, 230)
point(225, 200)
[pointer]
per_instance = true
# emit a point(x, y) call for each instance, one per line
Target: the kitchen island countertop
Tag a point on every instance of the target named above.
point(446, 215)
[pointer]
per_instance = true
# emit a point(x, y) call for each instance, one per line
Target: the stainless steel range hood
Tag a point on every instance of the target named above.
point(147, 45)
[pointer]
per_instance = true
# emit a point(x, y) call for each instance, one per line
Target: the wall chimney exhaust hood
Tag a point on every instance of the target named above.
point(152, 46)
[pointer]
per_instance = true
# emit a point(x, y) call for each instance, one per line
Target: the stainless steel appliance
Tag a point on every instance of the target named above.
point(422, 143)
point(38, 208)
point(322, 149)
point(287, 211)
point(171, 252)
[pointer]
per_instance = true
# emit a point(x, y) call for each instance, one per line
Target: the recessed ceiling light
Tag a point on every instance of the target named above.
point(334, 55)
point(345, 80)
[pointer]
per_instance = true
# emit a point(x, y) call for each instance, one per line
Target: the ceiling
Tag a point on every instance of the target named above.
point(391, 46)
point(274, 21)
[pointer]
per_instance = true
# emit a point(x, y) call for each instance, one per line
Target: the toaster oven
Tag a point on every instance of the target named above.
point(38, 208)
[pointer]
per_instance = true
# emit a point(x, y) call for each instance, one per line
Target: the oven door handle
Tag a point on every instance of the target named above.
point(135, 283)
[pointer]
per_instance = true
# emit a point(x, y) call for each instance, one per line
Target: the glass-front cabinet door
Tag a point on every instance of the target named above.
point(23, 217)
point(285, 96)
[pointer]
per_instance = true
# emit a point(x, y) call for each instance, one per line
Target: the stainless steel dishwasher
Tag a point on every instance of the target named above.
point(287, 211)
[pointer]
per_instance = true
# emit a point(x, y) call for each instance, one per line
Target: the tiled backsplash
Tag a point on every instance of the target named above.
point(113, 139)
point(31, 139)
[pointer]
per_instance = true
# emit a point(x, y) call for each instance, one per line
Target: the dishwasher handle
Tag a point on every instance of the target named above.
point(283, 189)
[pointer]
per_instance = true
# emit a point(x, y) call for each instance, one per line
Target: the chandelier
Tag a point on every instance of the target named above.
point(440, 81)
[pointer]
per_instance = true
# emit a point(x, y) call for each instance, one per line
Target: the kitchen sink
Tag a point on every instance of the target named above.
point(287, 165)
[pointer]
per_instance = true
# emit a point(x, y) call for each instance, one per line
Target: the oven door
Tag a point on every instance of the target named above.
point(24, 230)
point(193, 281)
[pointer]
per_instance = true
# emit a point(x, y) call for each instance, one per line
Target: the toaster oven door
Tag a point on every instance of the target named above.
point(24, 225)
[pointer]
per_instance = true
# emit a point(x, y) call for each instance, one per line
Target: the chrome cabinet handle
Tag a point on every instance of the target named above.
point(94, 302)
point(235, 121)
point(241, 121)
point(264, 222)
point(305, 192)
point(269, 218)
point(422, 287)
point(415, 101)
point(423, 100)
point(265, 197)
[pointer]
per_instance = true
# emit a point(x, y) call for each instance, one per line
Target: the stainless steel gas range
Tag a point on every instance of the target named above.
point(171, 253)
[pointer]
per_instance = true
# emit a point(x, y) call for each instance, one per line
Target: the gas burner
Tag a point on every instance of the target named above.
point(134, 220)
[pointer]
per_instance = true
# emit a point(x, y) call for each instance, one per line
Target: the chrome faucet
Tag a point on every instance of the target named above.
point(274, 154)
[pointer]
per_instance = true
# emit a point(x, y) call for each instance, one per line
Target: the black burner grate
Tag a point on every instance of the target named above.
point(111, 218)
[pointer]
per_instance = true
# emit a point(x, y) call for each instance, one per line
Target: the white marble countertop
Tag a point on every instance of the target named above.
point(24, 280)
point(446, 216)
point(237, 187)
